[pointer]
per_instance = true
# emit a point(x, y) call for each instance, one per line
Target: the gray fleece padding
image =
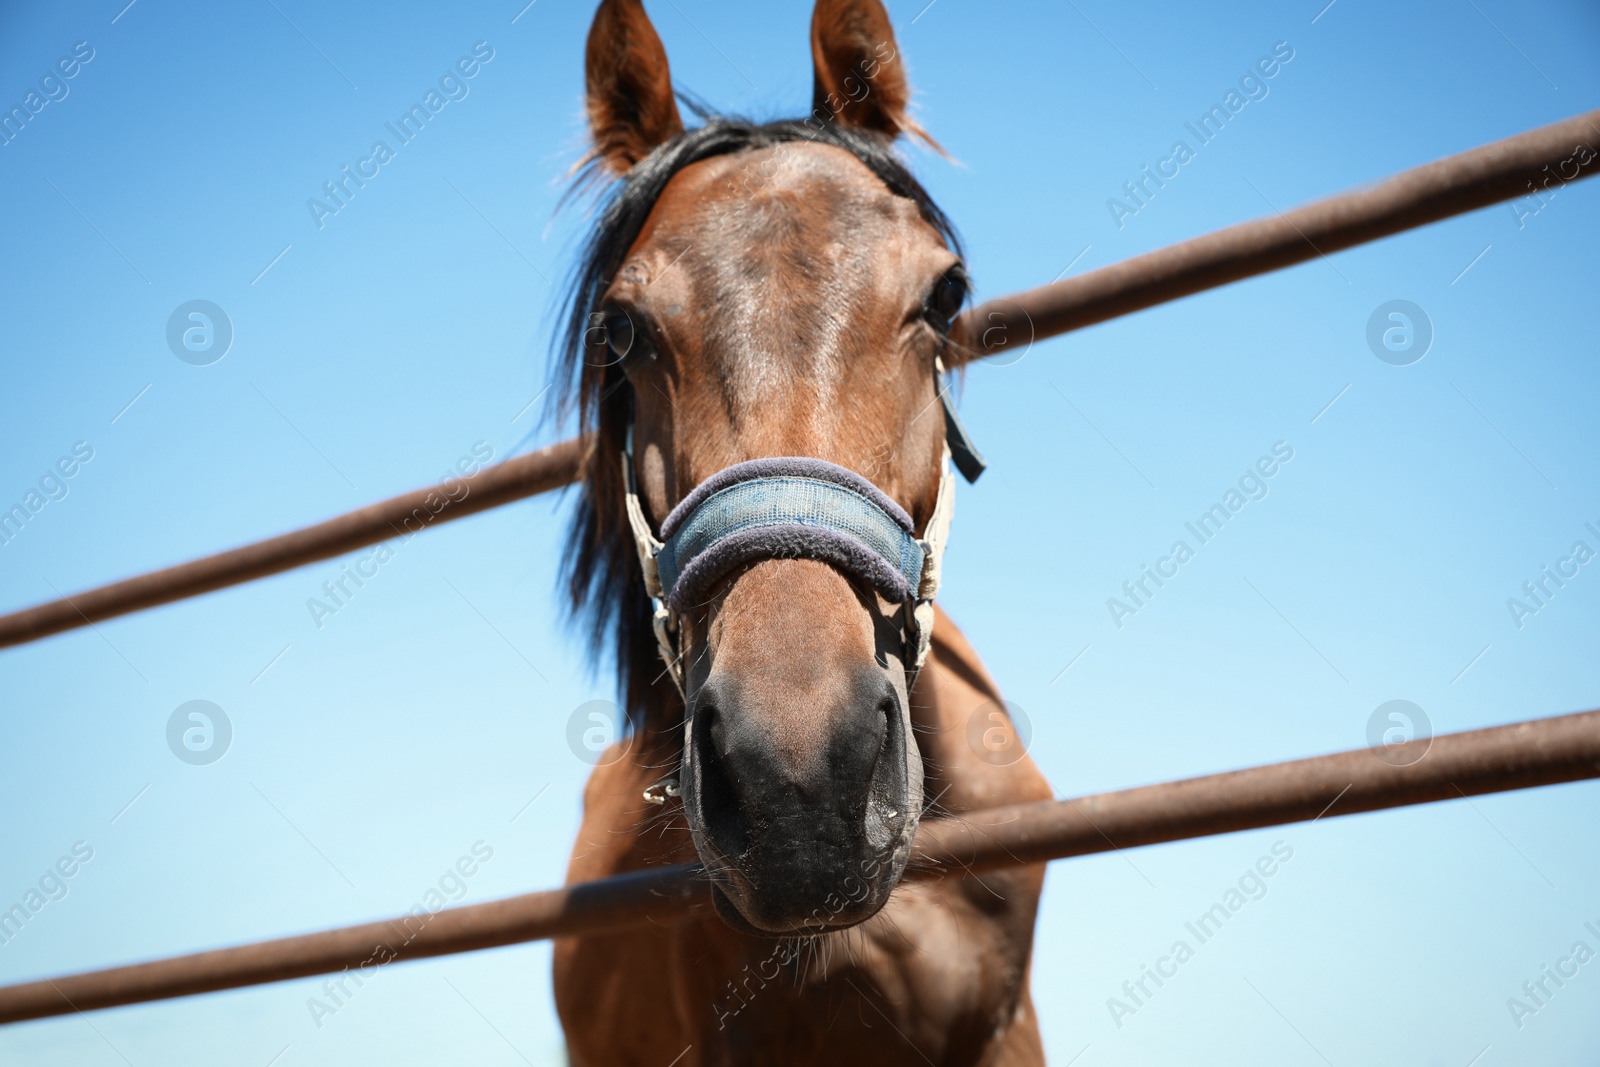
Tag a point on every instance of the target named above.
point(784, 467)
point(786, 542)
point(788, 507)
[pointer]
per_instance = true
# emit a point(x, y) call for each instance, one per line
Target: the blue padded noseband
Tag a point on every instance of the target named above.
point(788, 508)
point(795, 507)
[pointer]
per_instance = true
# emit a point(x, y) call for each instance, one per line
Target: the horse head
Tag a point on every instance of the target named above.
point(776, 292)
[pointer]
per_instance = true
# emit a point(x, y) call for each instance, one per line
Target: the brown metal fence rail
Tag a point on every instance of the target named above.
point(1519, 756)
point(1516, 166)
point(399, 516)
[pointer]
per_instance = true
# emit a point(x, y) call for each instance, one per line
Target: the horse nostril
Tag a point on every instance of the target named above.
point(720, 810)
point(889, 714)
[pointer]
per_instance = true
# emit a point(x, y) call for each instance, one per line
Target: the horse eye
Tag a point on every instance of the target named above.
point(945, 301)
point(619, 334)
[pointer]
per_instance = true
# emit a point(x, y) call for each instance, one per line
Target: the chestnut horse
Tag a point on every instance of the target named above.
point(754, 292)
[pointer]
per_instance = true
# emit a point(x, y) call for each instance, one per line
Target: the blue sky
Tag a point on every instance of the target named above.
point(372, 353)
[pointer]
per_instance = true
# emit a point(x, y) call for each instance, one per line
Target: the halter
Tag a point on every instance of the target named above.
point(795, 507)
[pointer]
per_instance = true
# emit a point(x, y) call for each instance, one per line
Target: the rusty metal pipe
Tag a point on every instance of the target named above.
point(1501, 758)
point(398, 517)
point(593, 907)
point(1494, 760)
point(1454, 185)
point(1450, 186)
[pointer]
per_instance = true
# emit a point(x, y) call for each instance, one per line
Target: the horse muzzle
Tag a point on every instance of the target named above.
point(802, 839)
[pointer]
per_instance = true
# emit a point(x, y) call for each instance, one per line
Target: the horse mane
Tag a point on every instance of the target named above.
point(604, 587)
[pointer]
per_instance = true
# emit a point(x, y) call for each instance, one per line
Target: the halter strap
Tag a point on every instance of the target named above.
point(787, 508)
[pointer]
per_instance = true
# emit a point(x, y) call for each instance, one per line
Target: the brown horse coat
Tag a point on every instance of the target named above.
point(781, 291)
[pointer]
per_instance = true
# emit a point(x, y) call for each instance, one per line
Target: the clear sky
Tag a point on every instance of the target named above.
point(371, 353)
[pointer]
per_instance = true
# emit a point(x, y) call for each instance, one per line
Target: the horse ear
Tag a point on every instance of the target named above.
point(860, 77)
point(630, 102)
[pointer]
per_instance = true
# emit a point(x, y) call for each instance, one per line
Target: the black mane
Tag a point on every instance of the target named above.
point(605, 588)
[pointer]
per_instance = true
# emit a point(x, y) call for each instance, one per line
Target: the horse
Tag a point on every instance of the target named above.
point(759, 325)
